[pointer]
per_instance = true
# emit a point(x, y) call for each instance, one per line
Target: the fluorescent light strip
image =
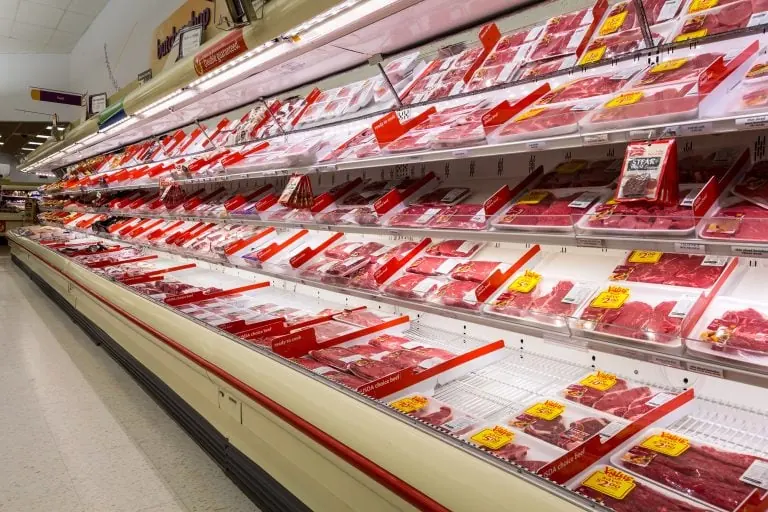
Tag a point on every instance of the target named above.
point(167, 102)
point(34, 143)
point(42, 136)
point(28, 149)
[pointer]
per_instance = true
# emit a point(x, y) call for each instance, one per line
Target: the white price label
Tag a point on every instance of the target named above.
point(448, 265)
point(758, 18)
point(696, 129)
point(642, 134)
point(690, 197)
point(458, 424)
point(577, 38)
point(539, 144)
point(660, 399)
point(611, 430)
point(425, 285)
point(533, 34)
point(323, 370)
point(351, 359)
point(747, 251)
point(427, 215)
point(466, 248)
point(753, 121)
point(584, 200)
point(506, 72)
point(715, 261)
point(430, 363)
point(595, 138)
point(470, 297)
point(380, 355)
point(668, 10)
point(690, 247)
point(683, 306)
point(703, 369)
point(381, 252)
point(756, 474)
point(579, 293)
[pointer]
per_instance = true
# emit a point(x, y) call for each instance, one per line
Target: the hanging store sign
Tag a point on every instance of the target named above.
point(61, 97)
point(220, 52)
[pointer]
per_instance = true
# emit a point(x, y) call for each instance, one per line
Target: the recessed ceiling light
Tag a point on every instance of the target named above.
point(28, 149)
point(34, 143)
point(42, 136)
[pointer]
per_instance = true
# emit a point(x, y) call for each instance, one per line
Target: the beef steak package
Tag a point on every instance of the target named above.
point(708, 474)
point(580, 173)
point(513, 446)
point(751, 94)
point(752, 186)
point(622, 492)
point(700, 167)
point(543, 121)
point(550, 210)
point(724, 18)
point(671, 269)
point(435, 413)
point(735, 219)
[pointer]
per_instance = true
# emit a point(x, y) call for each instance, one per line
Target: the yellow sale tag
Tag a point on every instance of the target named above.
point(571, 166)
point(548, 410)
point(612, 298)
point(593, 55)
point(669, 65)
point(628, 98)
point(600, 381)
point(529, 114)
point(611, 201)
point(614, 23)
point(611, 482)
point(533, 197)
point(525, 283)
point(667, 444)
point(691, 35)
point(701, 5)
point(494, 438)
point(410, 404)
point(645, 256)
point(757, 70)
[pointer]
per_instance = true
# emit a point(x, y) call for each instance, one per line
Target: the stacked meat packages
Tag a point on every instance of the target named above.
point(502, 63)
point(444, 76)
point(704, 18)
point(561, 197)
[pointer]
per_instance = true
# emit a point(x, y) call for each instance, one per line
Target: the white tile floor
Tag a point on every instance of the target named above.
point(77, 434)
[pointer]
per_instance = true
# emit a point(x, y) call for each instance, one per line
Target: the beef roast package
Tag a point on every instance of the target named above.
point(671, 269)
point(548, 210)
point(732, 218)
point(713, 476)
point(513, 446)
point(435, 413)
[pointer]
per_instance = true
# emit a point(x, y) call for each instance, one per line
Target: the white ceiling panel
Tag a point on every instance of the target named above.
point(5, 27)
point(32, 33)
point(90, 7)
point(8, 9)
point(62, 42)
point(74, 22)
point(38, 14)
point(61, 4)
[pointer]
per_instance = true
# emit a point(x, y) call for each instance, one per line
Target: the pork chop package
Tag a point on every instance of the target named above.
point(616, 396)
point(638, 312)
point(513, 446)
point(558, 422)
point(723, 18)
point(550, 210)
point(732, 218)
point(435, 413)
point(580, 173)
point(543, 121)
point(734, 329)
point(623, 492)
point(710, 475)
point(540, 299)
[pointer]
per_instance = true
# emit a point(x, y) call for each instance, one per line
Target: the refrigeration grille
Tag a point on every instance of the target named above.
point(473, 400)
point(443, 339)
point(535, 373)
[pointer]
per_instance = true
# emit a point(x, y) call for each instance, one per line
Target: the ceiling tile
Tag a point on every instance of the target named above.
point(74, 23)
point(32, 33)
point(62, 42)
point(10, 45)
point(38, 14)
point(5, 27)
point(92, 7)
point(8, 9)
point(61, 4)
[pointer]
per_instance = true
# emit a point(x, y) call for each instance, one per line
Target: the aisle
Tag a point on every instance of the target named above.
point(77, 433)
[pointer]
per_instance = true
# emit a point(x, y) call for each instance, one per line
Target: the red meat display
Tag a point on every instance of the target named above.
point(581, 173)
point(556, 431)
point(460, 294)
point(635, 319)
point(551, 211)
point(437, 418)
point(389, 342)
point(702, 472)
point(461, 216)
point(672, 269)
point(587, 395)
point(412, 286)
point(369, 369)
point(346, 379)
point(741, 221)
point(429, 266)
point(739, 330)
point(639, 216)
point(361, 317)
point(454, 248)
point(341, 357)
point(475, 271)
point(543, 68)
point(539, 119)
point(618, 44)
point(640, 499)
point(569, 21)
point(644, 104)
point(585, 88)
point(416, 216)
point(353, 249)
point(731, 17)
point(677, 70)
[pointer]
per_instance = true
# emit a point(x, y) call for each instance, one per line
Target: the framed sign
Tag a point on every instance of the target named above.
point(190, 39)
point(145, 76)
point(97, 103)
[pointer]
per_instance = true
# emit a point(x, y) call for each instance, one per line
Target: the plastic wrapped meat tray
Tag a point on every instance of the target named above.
point(550, 302)
point(414, 216)
point(672, 269)
point(752, 91)
point(441, 415)
point(542, 121)
point(732, 16)
point(433, 265)
point(578, 173)
point(670, 71)
point(587, 87)
point(523, 450)
point(702, 472)
point(753, 185)
point(344, 378)
point(736, 220)
point(413, 286)
point(634, 218)
point(542, 68)
point(621, 399)
point(556, 44)
point(457, 294)
point(454, 248)
point(555, 210)
point(609, 46)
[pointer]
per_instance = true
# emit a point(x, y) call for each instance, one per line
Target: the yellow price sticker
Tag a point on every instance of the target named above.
point(494, 438)
point(614, 23)
point(701, 5)
point(571, 166)
point(645, 256)
point(594, 55)
point(611, 201)
point(601, 381)
point(667, 444)
point(611, 482)
point(612, 298)
point(691, 35)
point(410, 404)
point(526, 282)
point(669, 65)
point(529, 114)
point(757, 70)
point(533, 197)
point(548, 410)
point(622, 100)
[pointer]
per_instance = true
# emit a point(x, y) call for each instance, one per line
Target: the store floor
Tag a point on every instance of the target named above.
point(77, 433)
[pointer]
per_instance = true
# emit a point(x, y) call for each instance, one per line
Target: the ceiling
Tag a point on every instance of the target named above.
point(15, 135)
point(45, 26)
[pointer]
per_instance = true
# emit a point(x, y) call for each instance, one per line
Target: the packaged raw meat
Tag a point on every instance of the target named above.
point(435, 413)
point(344, 250)
point(415, 216)
point(544, 68)
point(548, 300)
point(720, 19)
point(752, 90)
point(558, 422)
point(699, 168)
point(413, 286)
point(392, 343)
point(363, 318)
point(313, 365)
point(655, 105)
point(461, 216)
point(632, 218)
point(513, 446)
point(621, 492)
point(434, 265)
point(454, 248)
point(609, 46)
point(579, 173)
point(753, 185)
point(342, 358)
point(671, 269)
point(638, 312)
point(608, 393)
point(706, 473)
point(557, 44)
point(588, 87)
point(543, 121)
point(569, 21)
point(681, 69)
point(736, 220)
point(458, 294)
point(477, 271)
point(551, 210)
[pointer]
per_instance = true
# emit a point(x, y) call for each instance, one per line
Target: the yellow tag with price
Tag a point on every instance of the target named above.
point(612, 298)
point(667, 444)
point(533, 197)
point(601, 381)
point(594, 55)
point(410, 404)
point(494, 438)
point(613, 23)
point(548, 410)
point(701, 5)
point(669, 65)
point(571, 167)
point(526, 282)
point(611, 482)
point(645, 256)
point(691, 35)
point(622, 100)
point(529, 114)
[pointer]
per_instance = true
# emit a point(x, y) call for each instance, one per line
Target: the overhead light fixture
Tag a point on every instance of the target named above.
point(34, 143)
point(28, 149)
point(166, 102)
point(125, 122)
point(60, 128)
point(42, 136)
